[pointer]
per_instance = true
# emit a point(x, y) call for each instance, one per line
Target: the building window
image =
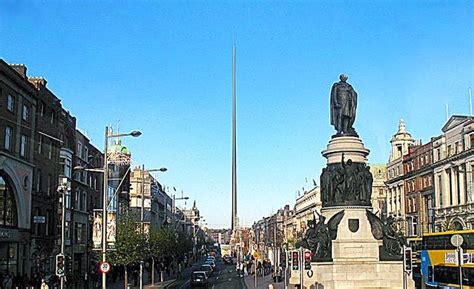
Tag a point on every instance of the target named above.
point(450, 186)
point(41, 109)
point(79, 233)
point(52, 116)
point(67, 234)
point(25, 113)
point(438, 153)
point(8, 138)
point(83, 201)
point(8, 212)
point(458, 185)
point(50, 150)
point(49, 184)
point(67, 198)
point(23, 145)
point(79, 149)
point(77, 200)
point(86, 154)
point(10, 103)
point(40, 144)
point(440, 189)
point(38, 181)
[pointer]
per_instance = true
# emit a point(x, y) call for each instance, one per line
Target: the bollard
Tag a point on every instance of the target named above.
point(270, 286)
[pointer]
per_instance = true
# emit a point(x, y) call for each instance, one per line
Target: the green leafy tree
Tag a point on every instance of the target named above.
point(130, 243)
point(184, 244)
point(160, 244)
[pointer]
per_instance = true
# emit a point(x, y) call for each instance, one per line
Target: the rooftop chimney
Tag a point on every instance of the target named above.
point(38, 82)
point(20, 68)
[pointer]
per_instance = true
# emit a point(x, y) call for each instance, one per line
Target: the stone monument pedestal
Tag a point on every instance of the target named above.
point(355, 252)
point(355, 257)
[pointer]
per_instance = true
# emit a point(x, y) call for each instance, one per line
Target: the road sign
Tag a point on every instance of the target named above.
point(39, 219)
point(104, 267)
point(457, 240)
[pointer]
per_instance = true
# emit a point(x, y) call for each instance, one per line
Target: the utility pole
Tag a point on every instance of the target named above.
point(142, 215)
point(104, 206)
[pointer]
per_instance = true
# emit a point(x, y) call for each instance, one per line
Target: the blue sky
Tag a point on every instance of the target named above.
point(165, 68)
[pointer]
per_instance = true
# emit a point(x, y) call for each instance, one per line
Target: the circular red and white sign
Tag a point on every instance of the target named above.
point(104, 267)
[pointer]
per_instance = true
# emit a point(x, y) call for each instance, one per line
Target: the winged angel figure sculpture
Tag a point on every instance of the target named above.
point(318, 238)
point(383, 229)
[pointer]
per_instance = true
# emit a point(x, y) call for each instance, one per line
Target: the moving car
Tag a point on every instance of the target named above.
point(228, 259)
point(206, 268)
point(211, 263)
point(199, 278)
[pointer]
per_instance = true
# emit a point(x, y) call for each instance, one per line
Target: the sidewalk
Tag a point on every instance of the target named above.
point(169, 281)
point(262, 282)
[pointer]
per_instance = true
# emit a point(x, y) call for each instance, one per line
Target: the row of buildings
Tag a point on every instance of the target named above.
point(426, 187)
point(41, 150)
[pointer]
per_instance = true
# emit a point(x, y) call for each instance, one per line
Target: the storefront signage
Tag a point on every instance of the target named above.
point(39, 219)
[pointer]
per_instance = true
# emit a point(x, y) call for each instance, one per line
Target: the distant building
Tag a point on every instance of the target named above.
point(17, 144)
point(453, 154)
point(418, 187)
point(400, 144)
point(305, 206)
point(379, 189)
point(156, 203)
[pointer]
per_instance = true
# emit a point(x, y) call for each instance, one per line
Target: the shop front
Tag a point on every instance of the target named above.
point(15, 204)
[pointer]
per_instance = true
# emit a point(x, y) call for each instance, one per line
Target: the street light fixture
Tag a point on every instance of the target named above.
point(105, 171)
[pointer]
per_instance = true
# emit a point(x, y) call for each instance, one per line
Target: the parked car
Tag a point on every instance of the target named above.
point(199, 279)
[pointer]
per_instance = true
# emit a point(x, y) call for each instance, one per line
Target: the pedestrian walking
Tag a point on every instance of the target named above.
point(44, 285)
point(8, 282)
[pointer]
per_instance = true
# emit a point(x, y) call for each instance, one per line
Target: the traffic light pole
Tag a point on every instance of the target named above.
point(460, 261)
point(404, 268)
point(301, 257)
point(62, 190)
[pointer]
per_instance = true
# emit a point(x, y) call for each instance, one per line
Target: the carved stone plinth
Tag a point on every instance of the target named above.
point(355, 257)
point(346, 180)
point(352, 147)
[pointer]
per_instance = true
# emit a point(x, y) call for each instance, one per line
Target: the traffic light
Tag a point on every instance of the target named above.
point(307, 259)
point(60, 265)
point(295, 257)
point(68, 260)
point(407, 260)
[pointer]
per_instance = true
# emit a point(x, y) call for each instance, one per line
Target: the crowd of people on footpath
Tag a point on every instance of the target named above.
point(11, 281)
point(247, 267)
point(166, 268)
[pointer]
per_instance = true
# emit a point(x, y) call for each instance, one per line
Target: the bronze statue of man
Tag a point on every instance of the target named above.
point(343, 107)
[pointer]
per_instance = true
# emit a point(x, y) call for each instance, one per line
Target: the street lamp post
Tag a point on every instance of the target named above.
point(104, 195)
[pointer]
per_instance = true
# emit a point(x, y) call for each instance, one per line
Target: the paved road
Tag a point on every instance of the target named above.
point(225, 277)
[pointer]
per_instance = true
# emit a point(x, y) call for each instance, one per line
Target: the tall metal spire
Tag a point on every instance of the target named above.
point(234, 146)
